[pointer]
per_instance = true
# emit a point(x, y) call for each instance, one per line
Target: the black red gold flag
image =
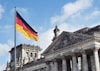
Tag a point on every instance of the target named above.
point(23, 27)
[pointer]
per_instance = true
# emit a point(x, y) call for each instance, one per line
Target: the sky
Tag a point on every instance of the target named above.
point(43, 16)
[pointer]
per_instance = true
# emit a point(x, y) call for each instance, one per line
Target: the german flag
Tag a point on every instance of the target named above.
point(23, 27)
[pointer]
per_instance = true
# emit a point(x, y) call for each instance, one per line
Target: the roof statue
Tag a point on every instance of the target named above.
point(56, 31)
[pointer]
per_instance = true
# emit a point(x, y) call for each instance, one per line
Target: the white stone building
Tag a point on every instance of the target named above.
point(70, 51)
point(24, 54)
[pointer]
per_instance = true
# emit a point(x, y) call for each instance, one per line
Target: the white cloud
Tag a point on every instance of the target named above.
point(10, 43)
point(4, 48)
point(1, 11)
point(6, 28)
point(70, 9)
point(2, 67)
point(45, 38)
point(93, 14)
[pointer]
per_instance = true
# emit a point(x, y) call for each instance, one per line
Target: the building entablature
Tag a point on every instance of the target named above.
point(74, 49)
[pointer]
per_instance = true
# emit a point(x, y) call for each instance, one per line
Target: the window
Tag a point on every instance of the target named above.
point(31, 55)
point(35, 54)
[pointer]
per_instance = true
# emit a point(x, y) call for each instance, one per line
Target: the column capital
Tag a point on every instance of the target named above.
point(96, 48)
point(67, 53)
point(54, 60)
point(63, 57)
point(83, 51)
point(73, 54)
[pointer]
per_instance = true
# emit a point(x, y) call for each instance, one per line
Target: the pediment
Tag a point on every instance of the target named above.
point(66, 39)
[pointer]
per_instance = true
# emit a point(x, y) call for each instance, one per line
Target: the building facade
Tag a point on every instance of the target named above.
point(70, 51)
point(24, 54)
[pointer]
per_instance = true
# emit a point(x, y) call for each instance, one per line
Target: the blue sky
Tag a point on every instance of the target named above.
point(43, 16)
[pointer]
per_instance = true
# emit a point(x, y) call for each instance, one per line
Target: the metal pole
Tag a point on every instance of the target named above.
point(15, 42)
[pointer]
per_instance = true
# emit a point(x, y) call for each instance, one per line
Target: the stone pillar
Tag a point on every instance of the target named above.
point(74, 63)
point(84, 62)
point(44, 69)
point(47, 66)
point(55, 66)
point(96, 58)
point(64, 65)
point(92, 63)
point(39, 70)
point(51, 66)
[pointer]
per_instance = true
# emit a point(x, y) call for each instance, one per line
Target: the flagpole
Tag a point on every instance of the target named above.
point(15, 41)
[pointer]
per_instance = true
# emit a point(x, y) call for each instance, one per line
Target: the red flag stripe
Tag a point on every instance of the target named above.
point(20, 22)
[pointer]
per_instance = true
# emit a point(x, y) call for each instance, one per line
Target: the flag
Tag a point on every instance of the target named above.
point(23, 27)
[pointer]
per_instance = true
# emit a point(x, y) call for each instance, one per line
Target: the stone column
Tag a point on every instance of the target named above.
point(64, 65)
point(84, 62)
point(96, 58)
point(92, 63)
point(52, 66)
point(74, 63)
point(44, 69)
point(55, 66)
point(39, 70)
point(47, 66)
